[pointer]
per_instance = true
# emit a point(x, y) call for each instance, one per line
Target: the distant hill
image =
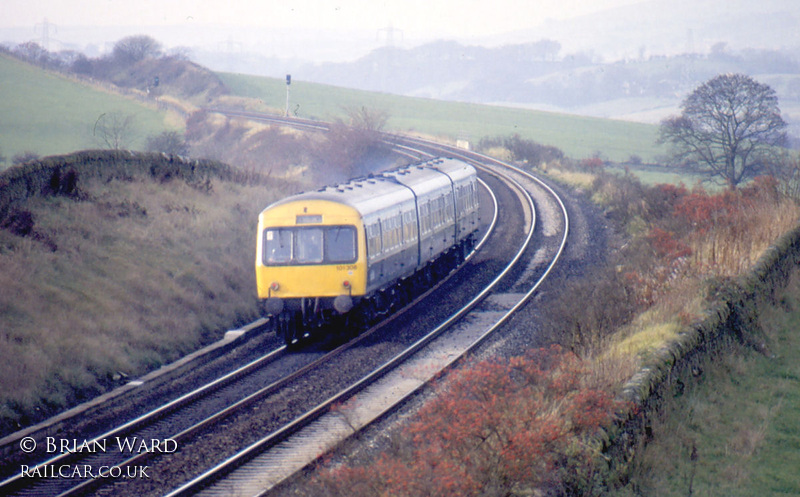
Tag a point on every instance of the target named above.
point(535, 76)
point(529, 76)
point(669, 27)
point(635, 63)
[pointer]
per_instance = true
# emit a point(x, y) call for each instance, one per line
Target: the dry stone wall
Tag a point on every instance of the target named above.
point(731, 318)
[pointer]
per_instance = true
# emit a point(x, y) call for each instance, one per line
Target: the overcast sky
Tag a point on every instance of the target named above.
point(424, 18)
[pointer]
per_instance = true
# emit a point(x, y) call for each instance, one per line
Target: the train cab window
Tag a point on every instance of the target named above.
point(277, 246)
point(340, 244)
point(309, 245)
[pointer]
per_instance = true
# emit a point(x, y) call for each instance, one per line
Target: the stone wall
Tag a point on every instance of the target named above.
point(732, 318)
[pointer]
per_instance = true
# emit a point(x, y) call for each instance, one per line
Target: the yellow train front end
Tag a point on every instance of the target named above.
point(310, 262)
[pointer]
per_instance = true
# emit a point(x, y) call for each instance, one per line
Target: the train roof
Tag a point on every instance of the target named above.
point(363, 193)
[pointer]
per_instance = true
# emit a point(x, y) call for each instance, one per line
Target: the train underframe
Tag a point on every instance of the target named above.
point(302, 318)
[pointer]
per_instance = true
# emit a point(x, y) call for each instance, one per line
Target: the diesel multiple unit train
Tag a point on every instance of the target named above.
point(354, 251)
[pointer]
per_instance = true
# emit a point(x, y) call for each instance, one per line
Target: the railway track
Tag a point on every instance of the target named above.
point(378, 355)
point(275, 458)
point(358, 368)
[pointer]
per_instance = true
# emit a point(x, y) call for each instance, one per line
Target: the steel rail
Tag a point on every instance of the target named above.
point(160, 412)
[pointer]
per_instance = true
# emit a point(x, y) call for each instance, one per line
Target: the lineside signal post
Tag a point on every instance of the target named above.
point(288, 84)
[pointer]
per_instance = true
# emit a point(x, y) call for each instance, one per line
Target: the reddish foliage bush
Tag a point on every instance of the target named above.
point(701, 210)
point(662, 199)
point(593, 164)
point(667, 246)
point(496, 427)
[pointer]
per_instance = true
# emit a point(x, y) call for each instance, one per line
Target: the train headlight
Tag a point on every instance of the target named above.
point(346, 284)
point(274, 286)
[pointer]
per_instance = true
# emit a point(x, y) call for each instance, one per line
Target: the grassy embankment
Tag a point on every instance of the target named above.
point(120, 277)
point(741, 419)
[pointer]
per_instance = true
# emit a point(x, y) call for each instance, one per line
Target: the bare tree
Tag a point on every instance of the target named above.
point(368, 120)
point(114, 130)
point(168, 142)
point(730, 127)
point(32, 52)
point(354, 147)
point(132, 49)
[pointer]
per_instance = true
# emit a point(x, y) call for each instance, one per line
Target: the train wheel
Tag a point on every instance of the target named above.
point(358, 320)
point(297, 327)
point(281, 326)
point(289, 327)
point(464, 252)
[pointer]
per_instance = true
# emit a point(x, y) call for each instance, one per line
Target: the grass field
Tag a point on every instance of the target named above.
point(577, 136)
point(659, 175)
point(47, 114)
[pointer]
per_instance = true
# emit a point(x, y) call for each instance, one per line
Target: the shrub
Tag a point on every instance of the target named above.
point(168, 142)
point(352, 148)
point(496, 428)
point(521, 150)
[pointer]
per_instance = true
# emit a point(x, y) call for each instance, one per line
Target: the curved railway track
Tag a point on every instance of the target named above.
point(214, 426)
point(273, 459)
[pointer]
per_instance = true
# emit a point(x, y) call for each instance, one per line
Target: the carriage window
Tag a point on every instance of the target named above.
point(277, 246)
point(374, 244)
point(309, 245)
point(340, 244)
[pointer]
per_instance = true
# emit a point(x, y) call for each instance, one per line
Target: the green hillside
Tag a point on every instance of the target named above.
point(577, 136)
point(47, 114)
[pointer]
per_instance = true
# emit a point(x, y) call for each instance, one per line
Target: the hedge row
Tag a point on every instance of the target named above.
point(61, 175)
